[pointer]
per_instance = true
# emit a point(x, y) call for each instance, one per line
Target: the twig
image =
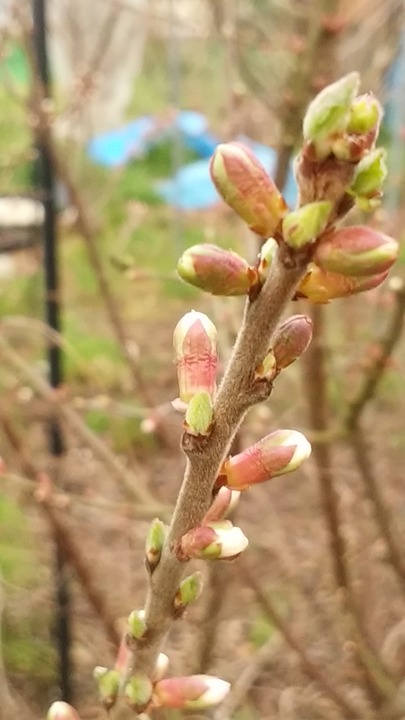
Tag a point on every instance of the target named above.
point(63, 537)
point(236, 394)
point(44, 133)
point(387, 345)
point(310, 668)
point(130, 484)
point(378, 680)
point(243, 683)
point(355, 433)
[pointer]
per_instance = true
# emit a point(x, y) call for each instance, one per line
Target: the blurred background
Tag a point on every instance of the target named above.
point(109, 113)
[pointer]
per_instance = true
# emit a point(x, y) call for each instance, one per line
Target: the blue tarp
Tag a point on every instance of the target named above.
point(191, 188)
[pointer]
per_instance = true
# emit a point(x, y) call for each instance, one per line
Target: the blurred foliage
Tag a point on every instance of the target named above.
point(25, 632)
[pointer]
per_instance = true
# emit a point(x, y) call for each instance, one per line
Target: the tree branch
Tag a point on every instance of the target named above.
point(235, 396)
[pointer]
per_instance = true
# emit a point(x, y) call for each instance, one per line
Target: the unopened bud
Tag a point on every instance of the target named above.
point(161, 667)
point(357, 251)
point(276, 454)
point(138, 692)
point(320, 286)
point(246, 187)
point(199, 414)
point(224, 502)
point(60, 710)
point(214, 541)
point(154, 543)
point(108, 683)
point(267, 368)
point(195, 692)
point(370, 174)
point(291, 340)
point(188, 592)
point(136, 624)
point(365, 114)
point(266, 257)
point(217, 271)
point(329, 112)
point(304, 225)
point(196, 355)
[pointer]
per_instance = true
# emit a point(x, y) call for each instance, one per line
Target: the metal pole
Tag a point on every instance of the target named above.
point(52, 317)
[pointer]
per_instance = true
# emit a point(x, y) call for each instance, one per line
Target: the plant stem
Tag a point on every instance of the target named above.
point(236, 394)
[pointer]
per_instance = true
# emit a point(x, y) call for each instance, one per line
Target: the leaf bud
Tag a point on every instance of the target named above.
point(246, 187)
point(195, 692)
point(154, 543)
point(136, 624)
point(276, 454)
point(199, 414)
point(196, 355)
point(291, 340)
point(218, 540)
point(357, 251)
point(329, 112)
point(320, 286)
point(304, 225)
point(108, 683)
point(217, 271)
point(222, 505)
point(138, 692)
point(267, 253)
point(365, 114)
point(370, 174)
point(188, 592)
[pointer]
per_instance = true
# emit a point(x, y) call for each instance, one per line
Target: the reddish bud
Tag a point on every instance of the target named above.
point(223, 503)
point(195, 692)
point(196, 357)
point(357, 251)
point(320, 286)
point(291, 340)
point(276, 454)
point(217, 271)
point(215, 541)
point(246, 187)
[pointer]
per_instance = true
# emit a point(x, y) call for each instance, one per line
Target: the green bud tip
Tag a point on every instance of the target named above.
point(154, 541)
point(303, 226)
point(365, 114)
point(370, 174)
point(329, 112)
point(189, 590)
point(136, 623)
point(199, 414)
point(266, 256)
point(138, 691)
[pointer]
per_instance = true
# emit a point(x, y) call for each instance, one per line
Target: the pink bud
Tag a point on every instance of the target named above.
point(356, 251)
point(215, 541)
point(276, 454)
point(196, 357)
point(217, 271)
point(224, 501)
point(60, 710)
point(291, 340)
point(195, 692)
point(246, 187)
point(320, 286)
